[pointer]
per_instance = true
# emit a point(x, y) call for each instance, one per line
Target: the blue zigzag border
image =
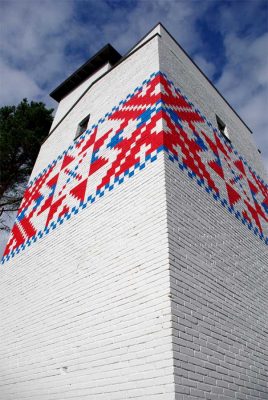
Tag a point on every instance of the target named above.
point(138, 166)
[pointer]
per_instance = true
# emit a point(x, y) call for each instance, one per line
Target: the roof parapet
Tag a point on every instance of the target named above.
point(107, 54)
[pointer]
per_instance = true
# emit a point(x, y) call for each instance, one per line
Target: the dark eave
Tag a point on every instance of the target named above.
point(105, 55)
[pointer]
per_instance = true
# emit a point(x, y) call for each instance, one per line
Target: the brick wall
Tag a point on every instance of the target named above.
point(85, 313)
point(100, 99)
point(218, 267)
point(185, 75)
point(85, 299)
point(219, 297)
point(138, 268)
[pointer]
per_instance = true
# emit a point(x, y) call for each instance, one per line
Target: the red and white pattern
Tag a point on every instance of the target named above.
point(155, 118)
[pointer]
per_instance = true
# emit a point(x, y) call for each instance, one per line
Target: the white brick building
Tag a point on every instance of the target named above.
point(137, 266)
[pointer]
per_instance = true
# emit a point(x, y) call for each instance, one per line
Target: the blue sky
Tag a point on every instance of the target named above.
point(44, 41)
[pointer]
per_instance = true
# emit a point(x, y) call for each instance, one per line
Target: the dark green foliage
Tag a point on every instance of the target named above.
point(22, 130)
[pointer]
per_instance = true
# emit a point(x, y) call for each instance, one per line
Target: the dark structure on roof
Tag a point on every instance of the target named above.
point(105, 55)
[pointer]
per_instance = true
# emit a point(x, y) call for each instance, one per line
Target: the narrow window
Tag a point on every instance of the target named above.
point(223, 128)
point(82, 127)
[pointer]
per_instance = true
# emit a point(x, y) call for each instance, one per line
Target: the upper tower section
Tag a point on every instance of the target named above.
point(77, 94)
point(186, 75)
point(113, 120)
point(69, 91)
point(175, 63)
point(106, 57)
point(94, 90)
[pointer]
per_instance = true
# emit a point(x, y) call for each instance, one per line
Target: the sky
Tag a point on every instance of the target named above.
point(44, 41)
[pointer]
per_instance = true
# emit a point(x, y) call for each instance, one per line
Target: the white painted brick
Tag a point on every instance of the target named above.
point(154, 292)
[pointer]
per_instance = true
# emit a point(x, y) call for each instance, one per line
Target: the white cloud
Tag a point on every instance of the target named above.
point(206, 66)
point(40, 38)
point(244, 82)
point(16, 85)
point(178, 16)
point(34, 35)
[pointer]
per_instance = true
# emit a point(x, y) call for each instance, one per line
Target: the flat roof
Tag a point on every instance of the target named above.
point(105, 55)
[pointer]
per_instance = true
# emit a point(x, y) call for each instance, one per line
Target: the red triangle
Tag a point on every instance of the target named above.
point(254, 214)
point(16, 236)
point(172, 98)
point(131, 110)
point(53, 209)
point(222, 146)
point(217, 168)
point(97, 165)
point(212, 145)
point(66, 161)
point(239, 165)
point(52, 181)
point(232, 194)
point(79, 190)
point(46, 205)
point(252, 187)
point(89, 142)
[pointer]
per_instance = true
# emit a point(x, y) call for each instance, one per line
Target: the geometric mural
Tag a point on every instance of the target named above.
point(156, 117)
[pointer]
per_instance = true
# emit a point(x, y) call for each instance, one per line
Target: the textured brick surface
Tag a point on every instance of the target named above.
point(101, 98)
point(219, 298)
point(123, 142)
point(85, 312)
point(219, 272)
point(157, 290)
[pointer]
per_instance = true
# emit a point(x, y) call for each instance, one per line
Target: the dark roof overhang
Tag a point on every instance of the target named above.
point(106, 55)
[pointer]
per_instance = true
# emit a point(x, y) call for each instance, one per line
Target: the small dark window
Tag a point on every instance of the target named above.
point(82, 127)
point(223, 128)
